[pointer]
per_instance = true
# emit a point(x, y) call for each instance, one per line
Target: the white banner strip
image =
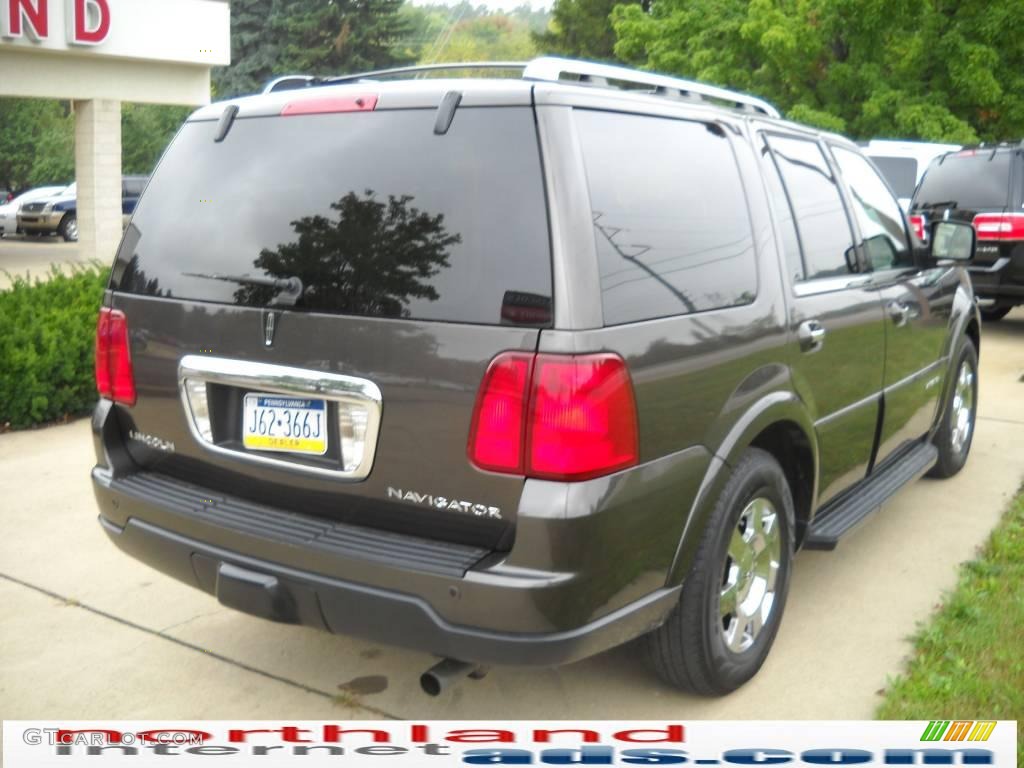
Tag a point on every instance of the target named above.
point(731, 744)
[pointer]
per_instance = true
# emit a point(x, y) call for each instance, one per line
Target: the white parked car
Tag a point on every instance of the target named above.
point(9, 211)
point(903, 163)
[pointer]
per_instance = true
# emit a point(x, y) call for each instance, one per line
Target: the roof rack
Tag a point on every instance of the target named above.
point(290, 82)
point(552, 69)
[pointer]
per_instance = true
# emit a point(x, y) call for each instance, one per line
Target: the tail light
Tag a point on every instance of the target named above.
point(556, 417)
point(917, 224)
point(115, 378)
point(999, 226)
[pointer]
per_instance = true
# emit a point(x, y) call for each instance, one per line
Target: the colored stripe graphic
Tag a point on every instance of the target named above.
point(934, 730)
point(958, 730)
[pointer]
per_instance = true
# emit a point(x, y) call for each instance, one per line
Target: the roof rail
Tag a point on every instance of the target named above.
point(290, 82)
point(553, 69)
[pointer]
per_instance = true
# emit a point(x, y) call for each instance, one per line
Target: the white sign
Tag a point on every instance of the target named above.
point(182, 31)
point(423, 744)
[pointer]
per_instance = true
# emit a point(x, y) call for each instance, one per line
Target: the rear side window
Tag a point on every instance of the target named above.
point(670, 217)
point(879, 217)
point(825, 236)
point(900, 172)
point(975, 179)
point(372, 212)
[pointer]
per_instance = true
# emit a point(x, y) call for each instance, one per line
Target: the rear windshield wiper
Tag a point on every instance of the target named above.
point(933, 206)
point(289, 288)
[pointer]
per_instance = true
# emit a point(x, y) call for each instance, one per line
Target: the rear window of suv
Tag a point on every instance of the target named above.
point(372, 212)
point(670, 217)
point(973, 179)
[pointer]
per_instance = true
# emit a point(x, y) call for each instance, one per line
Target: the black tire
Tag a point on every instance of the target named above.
point(68, 228)
point(689, 651)
point(994, 314)
point(954, 449)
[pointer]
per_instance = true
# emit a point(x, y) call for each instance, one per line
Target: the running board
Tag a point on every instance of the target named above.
point(837, 519)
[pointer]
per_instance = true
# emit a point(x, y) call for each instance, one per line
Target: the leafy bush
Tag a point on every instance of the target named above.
point(47, 334)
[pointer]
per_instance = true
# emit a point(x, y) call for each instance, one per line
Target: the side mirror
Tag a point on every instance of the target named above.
point(952, 241)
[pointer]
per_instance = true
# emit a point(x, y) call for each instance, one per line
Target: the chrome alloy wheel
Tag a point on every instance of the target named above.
point(750, 576)
point(963, 407)
point(71, 228)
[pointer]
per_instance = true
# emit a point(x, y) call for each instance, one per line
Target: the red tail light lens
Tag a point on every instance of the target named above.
point(917, 224)
point(556, 417)
point(115, 378)
point(582, 418)
point(362, 103)
point(496, 437)
point(999, 226)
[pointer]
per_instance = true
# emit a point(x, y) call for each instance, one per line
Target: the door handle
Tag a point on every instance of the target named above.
point(811, 334)
point(899, 312)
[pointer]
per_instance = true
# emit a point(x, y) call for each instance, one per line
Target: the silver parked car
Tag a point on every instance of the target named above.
point(9, 211)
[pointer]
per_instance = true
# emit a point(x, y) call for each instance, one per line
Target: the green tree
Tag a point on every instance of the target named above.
point(582, 28)
point(928, 69)
point(146, 129)
point(36, 143)
point(329, 37)
point(319, 37)
point(495, 37)
point(256, 43)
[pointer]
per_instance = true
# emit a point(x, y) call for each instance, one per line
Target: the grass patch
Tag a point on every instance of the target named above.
point(968, 660)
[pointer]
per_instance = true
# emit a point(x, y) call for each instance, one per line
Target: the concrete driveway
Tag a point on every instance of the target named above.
point(33, 256)
point(87, 633)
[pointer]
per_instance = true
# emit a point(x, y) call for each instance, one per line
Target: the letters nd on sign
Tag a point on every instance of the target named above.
point(88, 20)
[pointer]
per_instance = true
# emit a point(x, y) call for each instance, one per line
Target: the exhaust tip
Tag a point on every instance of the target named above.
point(446, 673)
point(430, 684)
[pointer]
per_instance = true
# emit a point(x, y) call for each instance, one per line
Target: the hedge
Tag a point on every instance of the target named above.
point(47, 335)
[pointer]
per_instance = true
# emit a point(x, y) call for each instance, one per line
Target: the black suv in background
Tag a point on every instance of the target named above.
point(983, 186)
point(517, 370)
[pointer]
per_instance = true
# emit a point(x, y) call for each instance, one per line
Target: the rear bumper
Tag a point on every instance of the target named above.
point(574, 584)
point(278, 593)
point(1002, 281)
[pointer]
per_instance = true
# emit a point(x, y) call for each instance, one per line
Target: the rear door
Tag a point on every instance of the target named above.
point(835, 315)
point(311, 264)
point(917, 304)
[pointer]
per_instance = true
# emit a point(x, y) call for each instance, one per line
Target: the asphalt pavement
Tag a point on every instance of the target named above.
point(33, 256)
point(87, 633)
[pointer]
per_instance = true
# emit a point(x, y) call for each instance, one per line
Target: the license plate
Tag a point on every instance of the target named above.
point(288, 424)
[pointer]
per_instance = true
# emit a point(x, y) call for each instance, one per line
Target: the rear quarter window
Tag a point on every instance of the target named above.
point(670, 216)
point(375, 214)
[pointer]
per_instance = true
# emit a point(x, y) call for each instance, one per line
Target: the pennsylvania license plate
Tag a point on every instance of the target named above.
point(280, 423)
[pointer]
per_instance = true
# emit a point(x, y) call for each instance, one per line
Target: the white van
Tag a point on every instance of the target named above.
point(903, 163)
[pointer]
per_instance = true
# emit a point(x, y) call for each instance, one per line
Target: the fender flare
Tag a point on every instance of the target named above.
point(773, 408)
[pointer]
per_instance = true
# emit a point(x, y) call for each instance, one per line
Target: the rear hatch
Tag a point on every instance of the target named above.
point(335, 284)
point(969, 184)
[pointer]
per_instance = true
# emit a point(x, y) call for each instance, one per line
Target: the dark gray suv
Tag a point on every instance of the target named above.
point(515, 370)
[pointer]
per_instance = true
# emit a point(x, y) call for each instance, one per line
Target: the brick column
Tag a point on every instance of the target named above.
point(98, 173)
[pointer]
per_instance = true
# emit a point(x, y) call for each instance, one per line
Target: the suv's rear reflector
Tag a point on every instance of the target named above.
point(999, 226)
point(361, 103)
point(556, 417)
point(115, 378)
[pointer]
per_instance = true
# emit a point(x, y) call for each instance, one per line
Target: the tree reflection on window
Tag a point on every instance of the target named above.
point(372, 257)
